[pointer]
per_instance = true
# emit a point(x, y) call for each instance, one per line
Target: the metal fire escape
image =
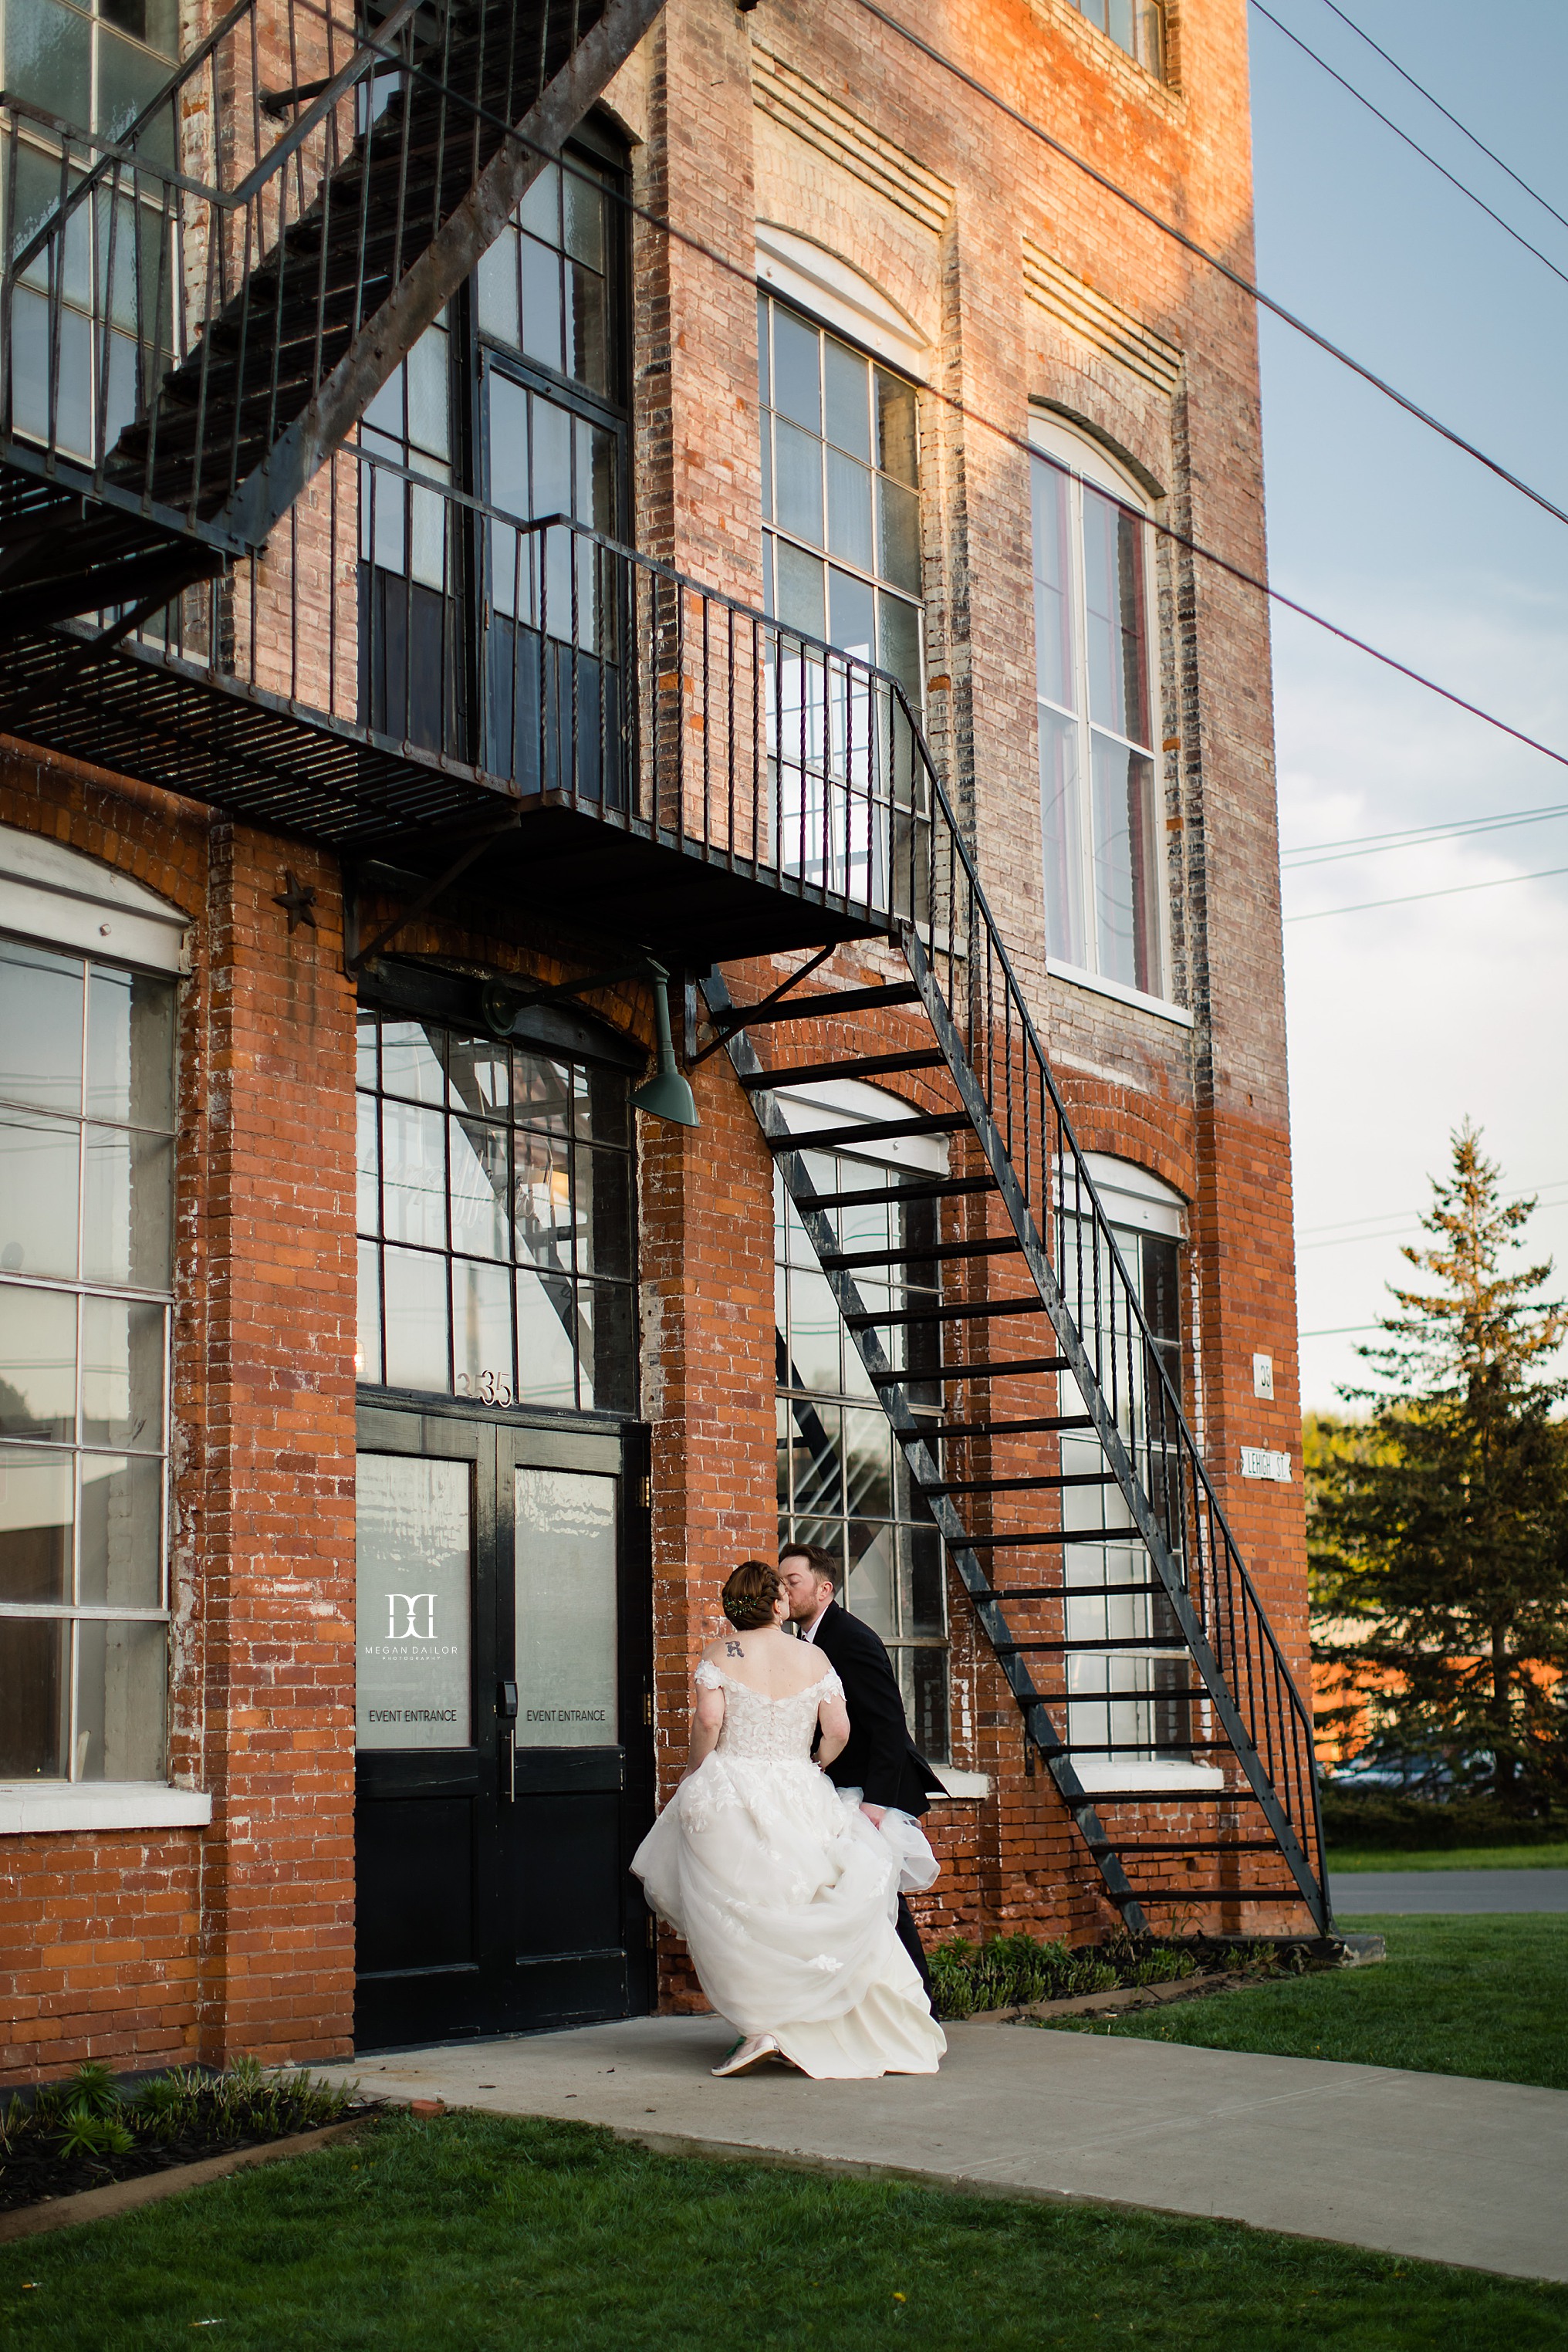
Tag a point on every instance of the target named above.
point(193, 316)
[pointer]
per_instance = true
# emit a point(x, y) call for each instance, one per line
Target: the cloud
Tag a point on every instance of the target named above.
point(1407, 1020)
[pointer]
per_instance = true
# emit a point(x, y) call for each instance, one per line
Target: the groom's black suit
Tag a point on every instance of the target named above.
point(880, 1759)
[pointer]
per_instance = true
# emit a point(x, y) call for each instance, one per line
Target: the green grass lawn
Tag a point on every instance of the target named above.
point(1456, 1996)
point(472, 2232)
point(1460, 1857)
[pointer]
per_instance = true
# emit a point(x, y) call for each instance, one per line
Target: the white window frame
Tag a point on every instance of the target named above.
point(1084, 461)
point(56, 898)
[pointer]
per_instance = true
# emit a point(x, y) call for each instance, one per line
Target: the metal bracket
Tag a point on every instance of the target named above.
point(726, 1029)
point(355, 959)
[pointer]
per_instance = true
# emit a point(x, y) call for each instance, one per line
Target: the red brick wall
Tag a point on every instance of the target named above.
point(242, 1937)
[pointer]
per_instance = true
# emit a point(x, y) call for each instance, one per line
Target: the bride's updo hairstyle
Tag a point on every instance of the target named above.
point(751, 1596)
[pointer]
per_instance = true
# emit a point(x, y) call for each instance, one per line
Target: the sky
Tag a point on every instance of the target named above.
point(1407, 1020)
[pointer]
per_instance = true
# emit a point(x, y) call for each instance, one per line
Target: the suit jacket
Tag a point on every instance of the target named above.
point(881, 1760)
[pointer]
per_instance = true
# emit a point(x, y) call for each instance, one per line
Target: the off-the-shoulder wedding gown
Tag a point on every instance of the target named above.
point(784, 1893)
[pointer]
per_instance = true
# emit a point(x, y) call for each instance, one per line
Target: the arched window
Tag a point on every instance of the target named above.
point(843, 1481)
point(87, 1184)
point(1097, 691)
point(1132, 1713)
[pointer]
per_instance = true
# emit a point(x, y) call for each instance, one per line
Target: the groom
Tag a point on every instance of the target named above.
point(881, 1760)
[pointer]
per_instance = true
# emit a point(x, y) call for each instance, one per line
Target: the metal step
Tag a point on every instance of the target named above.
point(981, 1310)
point(824, 1004)
point(870, 1130)
point(935, 1254)
point(1023, 1365)
point(1197, 1845)
point(1051, 1481)
point(863, 1065)
point(1046, 1425)
point(934, 1188)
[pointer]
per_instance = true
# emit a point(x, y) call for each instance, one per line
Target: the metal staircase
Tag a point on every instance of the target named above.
point(202, 308)
point(1038, 1350)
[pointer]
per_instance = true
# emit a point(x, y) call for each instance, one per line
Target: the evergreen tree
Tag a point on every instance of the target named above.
point(1439, 1522)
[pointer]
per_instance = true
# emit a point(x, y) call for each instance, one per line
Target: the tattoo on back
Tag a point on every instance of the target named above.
point(733, 1650)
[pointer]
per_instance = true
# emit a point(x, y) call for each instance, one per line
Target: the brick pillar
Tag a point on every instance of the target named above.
point(275, 1549)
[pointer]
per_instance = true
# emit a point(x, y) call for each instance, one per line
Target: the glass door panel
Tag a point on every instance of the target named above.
point(414, 1604)
point(565, 1571)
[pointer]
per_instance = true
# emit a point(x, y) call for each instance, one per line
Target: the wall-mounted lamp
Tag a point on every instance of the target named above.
point(666, 1095)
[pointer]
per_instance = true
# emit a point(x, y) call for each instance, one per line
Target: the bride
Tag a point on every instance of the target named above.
point(783, 1888)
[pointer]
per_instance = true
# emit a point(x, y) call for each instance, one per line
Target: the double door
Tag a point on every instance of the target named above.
point(504, 1766)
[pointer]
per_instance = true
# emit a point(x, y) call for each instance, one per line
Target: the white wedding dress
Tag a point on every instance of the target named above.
point(785, 1893)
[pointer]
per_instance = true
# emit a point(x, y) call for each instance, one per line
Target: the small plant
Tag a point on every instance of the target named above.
point(88, 2135)
point(71, 2135)
point(1011, 1971)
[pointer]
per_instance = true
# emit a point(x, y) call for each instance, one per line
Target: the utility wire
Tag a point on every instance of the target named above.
point(1492, 157)
point(1413, 145)
point(1190, 244)
point(1421, 836)
point(1459, 890)
point(724, 262)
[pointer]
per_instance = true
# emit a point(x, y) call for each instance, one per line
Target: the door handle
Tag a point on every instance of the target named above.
point(505, 1708)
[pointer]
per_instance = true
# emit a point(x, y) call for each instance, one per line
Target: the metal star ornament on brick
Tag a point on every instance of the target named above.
point(297, 900)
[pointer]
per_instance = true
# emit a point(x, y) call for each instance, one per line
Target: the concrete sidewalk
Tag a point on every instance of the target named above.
point(1375, 1890)
point(1421, 2165)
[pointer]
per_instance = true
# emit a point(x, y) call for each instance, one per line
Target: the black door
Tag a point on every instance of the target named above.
point(504, 1764)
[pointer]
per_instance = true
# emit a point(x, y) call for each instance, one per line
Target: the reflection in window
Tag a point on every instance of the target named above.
point(1096, 701)
point(87, 1115)
point(842, 1479)
point(1138, 1703)
point(841, 564)
point(1136, 25)
point(495, 1219)
point(93, 67)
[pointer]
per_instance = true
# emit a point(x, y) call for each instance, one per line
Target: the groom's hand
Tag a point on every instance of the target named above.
point(874, 1814)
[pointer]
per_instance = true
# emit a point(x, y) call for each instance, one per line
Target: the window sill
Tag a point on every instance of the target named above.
point(1108, 1778)
point(1118, 990)
point(962, 1784)
point(31, 1807)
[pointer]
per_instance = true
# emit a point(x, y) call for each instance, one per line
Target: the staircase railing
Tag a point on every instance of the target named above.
point(190, 289)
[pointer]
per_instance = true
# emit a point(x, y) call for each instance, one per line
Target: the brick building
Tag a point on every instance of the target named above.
point(755, 562)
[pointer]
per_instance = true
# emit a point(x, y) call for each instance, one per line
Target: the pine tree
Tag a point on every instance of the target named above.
point(1440, 1514)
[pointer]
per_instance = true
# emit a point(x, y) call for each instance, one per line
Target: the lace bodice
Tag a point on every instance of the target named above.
point(768, 1730)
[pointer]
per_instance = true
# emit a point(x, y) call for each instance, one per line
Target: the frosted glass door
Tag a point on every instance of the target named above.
point(566, 1629)
point(414, 1602)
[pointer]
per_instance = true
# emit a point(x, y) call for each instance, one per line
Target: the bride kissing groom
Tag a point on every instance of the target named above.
point(785, 1855)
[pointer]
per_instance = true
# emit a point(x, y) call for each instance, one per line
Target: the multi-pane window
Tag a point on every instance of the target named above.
point(533, 351)
point(841, 550)
point(1136, 25)
point(495, 1216)
point(1127, 1704)
point(94, 67)
point(87, 1114)
point(842, 1479)
point(545, 285)
point(1096, 697)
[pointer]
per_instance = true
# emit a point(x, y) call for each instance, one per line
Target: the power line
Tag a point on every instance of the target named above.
point(1190, 244)
point(724, 262)
point(1409, 897)
point(1492, 157)
point(1372, 844)
point(1413, 145)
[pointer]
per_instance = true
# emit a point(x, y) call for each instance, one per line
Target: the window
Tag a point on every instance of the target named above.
point(531, 352)
point(841, 555)
point(1149, 1720)
point(96, 68)
point(841, 564)
point(1096, 696)
point(87, 1115)
point(1136, 25)
point(495, 1215)
point(842, 1479)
